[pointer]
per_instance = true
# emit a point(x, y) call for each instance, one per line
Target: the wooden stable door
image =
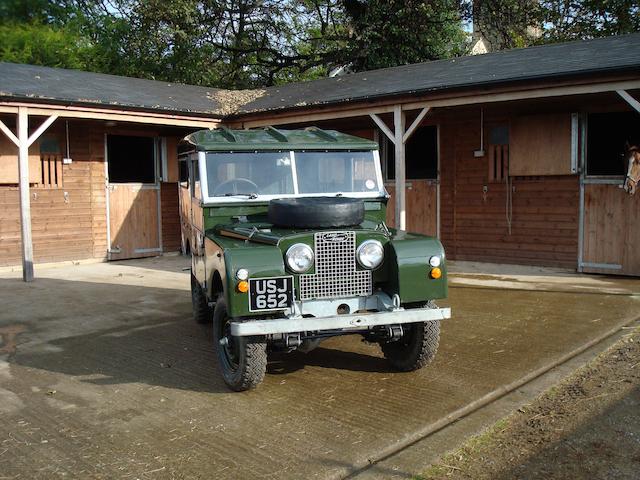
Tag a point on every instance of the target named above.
point(421, 205)
point(133, 191)
point(133, 221)
point(611, 230)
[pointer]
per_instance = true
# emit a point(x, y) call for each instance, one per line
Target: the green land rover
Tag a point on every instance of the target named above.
point(289, 246)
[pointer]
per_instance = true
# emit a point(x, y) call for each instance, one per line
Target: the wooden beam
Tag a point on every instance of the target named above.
point(415, 124)
point(112, 115)
point(278, 118)
point(25, 202)
point(348, 110)
point(635, 104)
point(398, 123)
point(9, 133)
point(383, 126)
point(527, 94)
point(41, 129)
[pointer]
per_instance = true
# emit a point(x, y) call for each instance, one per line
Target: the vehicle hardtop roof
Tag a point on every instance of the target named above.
point(269, 138)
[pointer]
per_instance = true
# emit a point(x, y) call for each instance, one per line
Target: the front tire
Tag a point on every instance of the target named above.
point(416, 348)
point(242, 360)
point(201, 310)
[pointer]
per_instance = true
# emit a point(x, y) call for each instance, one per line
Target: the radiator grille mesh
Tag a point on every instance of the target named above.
point(336, 275)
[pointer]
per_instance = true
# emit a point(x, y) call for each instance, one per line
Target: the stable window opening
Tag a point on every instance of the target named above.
point(421, 155)
point(607, 137)
point(131, 159)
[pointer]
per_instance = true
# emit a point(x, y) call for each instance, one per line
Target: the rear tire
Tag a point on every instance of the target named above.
point(202, 312)
point(243, 360)
point(416, 348)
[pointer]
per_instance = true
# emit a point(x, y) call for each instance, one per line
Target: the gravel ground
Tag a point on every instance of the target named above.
point(586, 427)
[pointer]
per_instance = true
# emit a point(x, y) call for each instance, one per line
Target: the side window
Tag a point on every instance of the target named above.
point(421, 155)
point(607, 136)
point(195, 179)
point(183, 173)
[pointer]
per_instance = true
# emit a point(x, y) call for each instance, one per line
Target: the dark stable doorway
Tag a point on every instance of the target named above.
point(131, 159)
point(607, 136)
point(421, 156)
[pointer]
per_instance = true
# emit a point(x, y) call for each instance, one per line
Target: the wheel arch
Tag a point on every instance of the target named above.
point(216, 285)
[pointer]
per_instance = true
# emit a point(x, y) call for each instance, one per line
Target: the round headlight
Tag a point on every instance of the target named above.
point(299, 257)
point(435, 261)
point(242, 274)
point(370, 254)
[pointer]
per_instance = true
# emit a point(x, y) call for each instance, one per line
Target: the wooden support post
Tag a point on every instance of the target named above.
point(25, 203)
point(398, 123)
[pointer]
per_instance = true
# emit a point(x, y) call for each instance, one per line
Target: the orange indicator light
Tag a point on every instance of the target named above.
point(436, 273)
point(243, 286)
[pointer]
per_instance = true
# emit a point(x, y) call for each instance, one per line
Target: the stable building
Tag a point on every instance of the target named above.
point(511, 157)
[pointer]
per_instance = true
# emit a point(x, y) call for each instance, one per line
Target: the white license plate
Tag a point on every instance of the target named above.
point(274, 293)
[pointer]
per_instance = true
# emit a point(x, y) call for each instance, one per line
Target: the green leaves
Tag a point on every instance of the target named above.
point(255, 43)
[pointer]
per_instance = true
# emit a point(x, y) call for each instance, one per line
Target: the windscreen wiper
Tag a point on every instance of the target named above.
point(248, 195)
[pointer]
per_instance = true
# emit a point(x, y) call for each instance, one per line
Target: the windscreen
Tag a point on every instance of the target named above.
point(285, 173)
point(249, 173)
point(336, 172)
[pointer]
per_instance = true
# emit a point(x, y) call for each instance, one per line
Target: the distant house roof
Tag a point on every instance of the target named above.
point(565, 60)
point(269, 138)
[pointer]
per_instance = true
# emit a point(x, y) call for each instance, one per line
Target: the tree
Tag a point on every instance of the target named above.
point(38, 44)
point(396, 32)
point(520, 23)
point(255, 43)
point(579, 20)
point(507, 23)
point(251, 43)
point(41, 32)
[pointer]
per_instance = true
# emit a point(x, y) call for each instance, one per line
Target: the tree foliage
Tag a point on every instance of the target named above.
point(520, 23)
point(250, 43)
point(576, 20)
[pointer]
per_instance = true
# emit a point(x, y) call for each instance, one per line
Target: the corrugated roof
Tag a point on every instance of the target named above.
point(270, 138)
point(572, 59)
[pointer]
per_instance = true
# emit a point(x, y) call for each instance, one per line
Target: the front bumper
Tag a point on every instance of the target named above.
point(358, 321)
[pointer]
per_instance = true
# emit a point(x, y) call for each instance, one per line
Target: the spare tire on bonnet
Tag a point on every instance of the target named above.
point(316, 212)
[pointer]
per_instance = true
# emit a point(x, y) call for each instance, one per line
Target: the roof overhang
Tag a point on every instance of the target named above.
point(503, 93)
point(109, 114)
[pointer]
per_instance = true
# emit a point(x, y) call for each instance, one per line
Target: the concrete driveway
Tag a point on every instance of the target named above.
point(103, 374)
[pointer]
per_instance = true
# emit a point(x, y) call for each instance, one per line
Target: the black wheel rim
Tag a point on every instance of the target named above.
point(231, 349)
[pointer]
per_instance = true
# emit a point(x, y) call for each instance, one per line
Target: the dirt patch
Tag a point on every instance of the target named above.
point(586, 427)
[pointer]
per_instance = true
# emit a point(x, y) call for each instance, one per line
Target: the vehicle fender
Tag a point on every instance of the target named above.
point(409, 269)
point(260, 261)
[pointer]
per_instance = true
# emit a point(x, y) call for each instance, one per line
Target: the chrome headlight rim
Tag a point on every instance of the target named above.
point(359, 254)
point(289, 257)
point(435, 261)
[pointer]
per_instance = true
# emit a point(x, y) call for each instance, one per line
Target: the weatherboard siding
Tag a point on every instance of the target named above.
point(68, 222)
point(544, 224)
point(473, 226)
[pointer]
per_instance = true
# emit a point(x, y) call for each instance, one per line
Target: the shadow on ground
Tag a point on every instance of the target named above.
point(111, 334)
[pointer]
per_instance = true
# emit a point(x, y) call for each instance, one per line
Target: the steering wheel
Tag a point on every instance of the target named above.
point(236, 185)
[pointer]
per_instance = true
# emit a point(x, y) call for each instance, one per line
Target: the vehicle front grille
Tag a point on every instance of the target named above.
point(336, 275)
